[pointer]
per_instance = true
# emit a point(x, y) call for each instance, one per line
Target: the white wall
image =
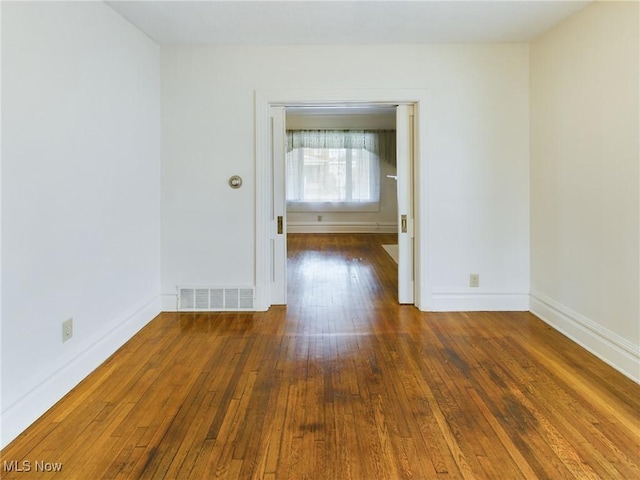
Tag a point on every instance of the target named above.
point(80, 196)
point(478, 189)
point(585, 180)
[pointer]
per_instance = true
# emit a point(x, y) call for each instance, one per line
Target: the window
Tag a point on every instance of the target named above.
point(345, 179)
point(336, 170)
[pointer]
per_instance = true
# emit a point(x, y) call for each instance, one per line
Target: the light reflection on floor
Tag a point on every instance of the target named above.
point(333, 281)
point(342, 291)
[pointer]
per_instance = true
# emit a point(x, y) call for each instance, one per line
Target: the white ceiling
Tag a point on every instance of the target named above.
point(329, 22)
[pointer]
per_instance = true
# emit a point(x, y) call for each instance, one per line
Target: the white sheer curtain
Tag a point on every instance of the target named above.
point(336, 170)
point(380, 142)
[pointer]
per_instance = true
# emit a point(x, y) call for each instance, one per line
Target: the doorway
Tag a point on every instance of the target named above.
point(341, 191)
point(270, 200)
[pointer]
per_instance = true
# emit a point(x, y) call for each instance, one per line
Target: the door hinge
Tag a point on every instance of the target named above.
point(280, 225)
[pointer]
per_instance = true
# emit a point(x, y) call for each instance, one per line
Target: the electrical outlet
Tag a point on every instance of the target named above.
point(474, 280)
point(319, 218)
point(67, 329)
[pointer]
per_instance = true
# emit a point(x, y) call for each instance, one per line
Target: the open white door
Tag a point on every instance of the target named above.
point(278, 214)
point(404, 159)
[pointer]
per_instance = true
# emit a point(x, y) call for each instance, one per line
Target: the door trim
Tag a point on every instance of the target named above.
point(264, 99)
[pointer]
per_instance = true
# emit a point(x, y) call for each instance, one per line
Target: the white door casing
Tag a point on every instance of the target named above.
point(267, 275)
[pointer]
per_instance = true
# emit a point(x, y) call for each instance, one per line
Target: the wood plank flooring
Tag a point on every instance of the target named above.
point(343, 383)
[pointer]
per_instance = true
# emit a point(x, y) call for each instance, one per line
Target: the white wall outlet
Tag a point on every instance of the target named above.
point(474, 280)
point(67, 329)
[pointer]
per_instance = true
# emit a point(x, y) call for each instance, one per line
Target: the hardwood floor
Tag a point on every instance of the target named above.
point(343, 383)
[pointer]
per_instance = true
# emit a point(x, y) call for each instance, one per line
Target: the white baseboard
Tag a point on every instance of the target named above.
point(169, 302)
point(342, 227)
point(39, 394)
point(612, 349)
point(478, 302)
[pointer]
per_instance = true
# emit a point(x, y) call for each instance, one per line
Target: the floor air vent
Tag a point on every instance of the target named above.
point(212, 299)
